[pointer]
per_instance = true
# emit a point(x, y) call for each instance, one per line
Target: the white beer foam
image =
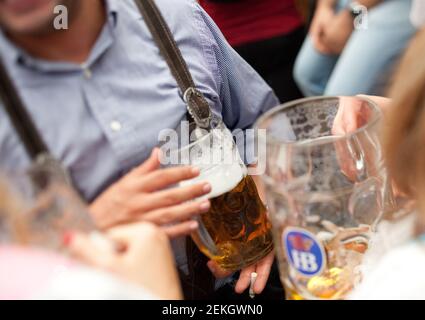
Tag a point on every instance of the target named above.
point(220, 165)
point(223, 178)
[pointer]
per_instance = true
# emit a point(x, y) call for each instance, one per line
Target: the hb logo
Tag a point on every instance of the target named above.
point(304, 253)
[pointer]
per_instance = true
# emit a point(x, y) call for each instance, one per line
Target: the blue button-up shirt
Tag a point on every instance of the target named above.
point(103, 118)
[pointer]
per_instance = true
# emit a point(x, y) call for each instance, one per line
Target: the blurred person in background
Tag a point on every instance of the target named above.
point(100, 93)
point(267, 34)
point(143, 268)
point(398, 274)
point(339, 59)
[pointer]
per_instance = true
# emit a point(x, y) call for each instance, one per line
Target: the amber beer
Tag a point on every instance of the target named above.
point(237, 223)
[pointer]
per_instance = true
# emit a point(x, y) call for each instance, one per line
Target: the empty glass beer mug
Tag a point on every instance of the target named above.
point(326, 191)
point(235, 232)
point(40, 217)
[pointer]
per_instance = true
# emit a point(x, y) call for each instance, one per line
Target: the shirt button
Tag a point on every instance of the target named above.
point(116, 126)
point(87, 72)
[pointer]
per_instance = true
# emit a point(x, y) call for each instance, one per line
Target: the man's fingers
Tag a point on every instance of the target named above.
point(218, 272)
point(170, 197)
point(262, 268)
point(161, 179)
point(263, 271)
point(347, 117)
point(380, 101)
point(181, 229)
point(244, 279)
point(149, 165)
point(180, 212)
point(383, 103)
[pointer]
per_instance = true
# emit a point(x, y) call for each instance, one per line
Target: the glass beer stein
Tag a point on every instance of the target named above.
point(40, 217)
point(326, 192)
point(235, 232)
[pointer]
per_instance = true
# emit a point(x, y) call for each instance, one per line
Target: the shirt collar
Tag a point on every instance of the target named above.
point(112, 10)
point(9, 51)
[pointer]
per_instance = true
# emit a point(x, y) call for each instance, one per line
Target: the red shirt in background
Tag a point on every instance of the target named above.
point(253, 20)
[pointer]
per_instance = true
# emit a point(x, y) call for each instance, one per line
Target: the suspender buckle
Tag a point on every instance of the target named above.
point(46, 170)
point(198, 107)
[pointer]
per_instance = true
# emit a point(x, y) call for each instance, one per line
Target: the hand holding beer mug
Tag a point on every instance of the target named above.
point(235, 232)
point(326, 193)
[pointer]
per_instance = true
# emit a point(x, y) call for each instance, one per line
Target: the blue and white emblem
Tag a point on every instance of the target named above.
point(304, 252)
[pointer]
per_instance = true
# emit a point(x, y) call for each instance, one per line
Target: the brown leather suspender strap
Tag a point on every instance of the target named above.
point(19, 116)
point(45, 166)
point(197, 105)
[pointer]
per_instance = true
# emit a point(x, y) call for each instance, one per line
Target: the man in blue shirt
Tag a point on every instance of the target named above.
point(100, 93)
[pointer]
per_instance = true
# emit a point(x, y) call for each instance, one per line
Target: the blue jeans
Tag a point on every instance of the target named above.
point(368, 60)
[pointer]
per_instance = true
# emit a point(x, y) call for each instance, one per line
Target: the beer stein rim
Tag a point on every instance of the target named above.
point(374, 120)
point(194, 143)
point(208, 134)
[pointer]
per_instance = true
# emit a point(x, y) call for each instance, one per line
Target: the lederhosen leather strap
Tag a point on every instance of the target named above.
point(45, 167)
point(197, 106)
point(19, 117)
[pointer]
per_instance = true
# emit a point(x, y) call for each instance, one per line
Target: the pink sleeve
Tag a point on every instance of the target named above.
point(25, 272)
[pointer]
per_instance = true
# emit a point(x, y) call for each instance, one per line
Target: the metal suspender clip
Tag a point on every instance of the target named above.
point(198, 107)
point(46, 170)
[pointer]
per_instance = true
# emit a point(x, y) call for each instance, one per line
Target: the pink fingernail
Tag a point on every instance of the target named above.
point(207, 188)
point(67, 238)
point(205, 206)
point(196, 171)
point(194, 225)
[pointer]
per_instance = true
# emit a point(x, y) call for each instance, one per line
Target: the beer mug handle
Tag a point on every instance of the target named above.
point(357, 154)
point(203, 239)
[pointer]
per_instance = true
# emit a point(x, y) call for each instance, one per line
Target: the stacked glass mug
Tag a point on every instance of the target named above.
point(326, 192)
